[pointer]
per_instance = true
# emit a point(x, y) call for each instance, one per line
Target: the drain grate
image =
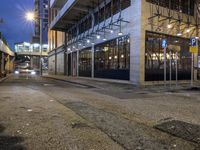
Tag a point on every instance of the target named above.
point(186, 131)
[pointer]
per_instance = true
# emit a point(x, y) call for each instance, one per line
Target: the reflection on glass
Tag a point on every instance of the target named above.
point(112, 59)
point(85, 60)
point(154, 57)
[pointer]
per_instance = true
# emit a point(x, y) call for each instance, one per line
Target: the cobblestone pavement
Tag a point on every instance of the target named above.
point(39, 113)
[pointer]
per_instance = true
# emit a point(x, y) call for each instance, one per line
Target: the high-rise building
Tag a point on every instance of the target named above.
point(41, 11)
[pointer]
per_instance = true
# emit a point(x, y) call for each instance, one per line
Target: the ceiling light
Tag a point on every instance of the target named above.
point(88, 41)
point(120, 33)
point(169, 26)
point(188, 30)
point(98, 36)
point(179, 33)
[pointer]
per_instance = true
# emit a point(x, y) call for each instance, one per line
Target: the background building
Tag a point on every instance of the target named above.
point(41, 10)
point(6, 57)
point(122, 39)
point(29, 55)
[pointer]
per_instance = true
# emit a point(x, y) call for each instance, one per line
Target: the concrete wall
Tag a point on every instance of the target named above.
point(60, 63)
point(57, 61)
point(51, 63)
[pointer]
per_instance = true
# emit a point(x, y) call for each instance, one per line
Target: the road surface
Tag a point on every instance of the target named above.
point(45, 114)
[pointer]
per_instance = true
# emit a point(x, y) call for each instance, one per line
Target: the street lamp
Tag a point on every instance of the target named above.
point(30, 16)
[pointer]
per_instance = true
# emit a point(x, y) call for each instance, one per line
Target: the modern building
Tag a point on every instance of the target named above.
point(30, 54)
point(123, 39)
point(6, 57)
point(41, 10)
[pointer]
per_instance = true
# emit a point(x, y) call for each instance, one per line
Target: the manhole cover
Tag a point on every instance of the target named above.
point(186, 131)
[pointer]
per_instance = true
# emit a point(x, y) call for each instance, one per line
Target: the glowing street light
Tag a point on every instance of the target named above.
point(30, 16)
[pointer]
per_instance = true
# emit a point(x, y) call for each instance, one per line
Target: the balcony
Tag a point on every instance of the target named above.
point(71, 12)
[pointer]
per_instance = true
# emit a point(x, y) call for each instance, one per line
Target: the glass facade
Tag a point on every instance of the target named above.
point(185, 6)
point(154, 57)
point(112, 59)
point(85, 62)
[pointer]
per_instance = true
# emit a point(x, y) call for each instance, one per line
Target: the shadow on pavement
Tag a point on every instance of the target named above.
point(10, 142)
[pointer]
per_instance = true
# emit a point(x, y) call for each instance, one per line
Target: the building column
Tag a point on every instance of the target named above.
point(92, 61)
point(2, 62)
point(55, 62)
point(137, 43)
point(77, 66)
point(31, 61)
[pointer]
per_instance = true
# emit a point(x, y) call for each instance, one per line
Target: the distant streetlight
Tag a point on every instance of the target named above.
point(30, 16)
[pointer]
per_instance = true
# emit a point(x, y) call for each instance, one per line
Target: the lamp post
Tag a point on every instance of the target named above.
point(30, 16)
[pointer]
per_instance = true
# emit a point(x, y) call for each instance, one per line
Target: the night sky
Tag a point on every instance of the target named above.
point(15, 27)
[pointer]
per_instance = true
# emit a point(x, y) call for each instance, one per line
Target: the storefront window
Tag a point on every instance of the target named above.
point(112, 59)
point(85, 60)
point(154, 57)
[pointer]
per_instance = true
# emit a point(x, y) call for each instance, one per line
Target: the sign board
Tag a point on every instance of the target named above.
point(164, 43)
point(194, 45)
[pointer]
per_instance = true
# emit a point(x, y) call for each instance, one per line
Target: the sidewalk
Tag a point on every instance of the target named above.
point(3, 79)
point(118, 84)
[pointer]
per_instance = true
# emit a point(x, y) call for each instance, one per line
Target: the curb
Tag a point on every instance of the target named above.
point(72, 82)
point(3, 79)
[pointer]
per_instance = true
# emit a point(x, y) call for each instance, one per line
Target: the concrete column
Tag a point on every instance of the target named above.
point(2, 62)
point(77, 67)
point(92, 61)
point(31, 61)
point(55, 62)
point(136, 43)
point(8, 64)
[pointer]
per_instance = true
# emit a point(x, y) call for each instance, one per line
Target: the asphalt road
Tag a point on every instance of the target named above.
point(43, 114)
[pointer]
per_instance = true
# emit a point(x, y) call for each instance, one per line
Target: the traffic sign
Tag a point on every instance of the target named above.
point(194, 45)
point(164, 43)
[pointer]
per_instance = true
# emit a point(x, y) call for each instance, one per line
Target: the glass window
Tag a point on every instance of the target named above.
point(154, 57)
point(85, 61)
point(185, 6)
point(112, 59)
